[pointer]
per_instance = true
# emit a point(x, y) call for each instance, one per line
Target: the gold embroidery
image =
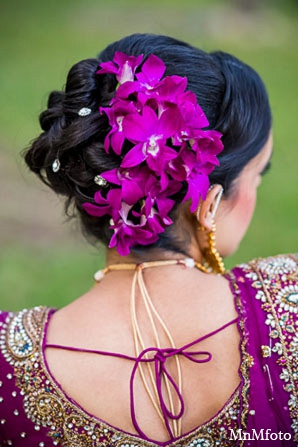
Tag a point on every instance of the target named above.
point(46, 405)
point(247, 360)
point(278, 276)
point(266, 351)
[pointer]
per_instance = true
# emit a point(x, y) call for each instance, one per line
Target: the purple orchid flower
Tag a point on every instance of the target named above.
point(192, 113)
point(168, 90)
point(148, 78)
point(109, 205)
point(163, 95)
point(198, 185)
point(207, 146)
point(193, 118)
point(151, 73)
point(155, 223)
point(166, 128)
point(115, 138)
point(132, 181)
point(186, 168)
point(159, 198)
point(150, 135)
point(123, 66)
point(127, 234)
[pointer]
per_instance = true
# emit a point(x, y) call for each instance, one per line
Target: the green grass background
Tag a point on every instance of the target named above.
point(40, 40)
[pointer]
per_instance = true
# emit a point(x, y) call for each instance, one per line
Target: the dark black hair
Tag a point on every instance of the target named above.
point(230, 92)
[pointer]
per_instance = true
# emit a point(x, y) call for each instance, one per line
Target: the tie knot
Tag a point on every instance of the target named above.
point(161, 356)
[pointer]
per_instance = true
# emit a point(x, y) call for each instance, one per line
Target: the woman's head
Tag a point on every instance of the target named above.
point(230, 93)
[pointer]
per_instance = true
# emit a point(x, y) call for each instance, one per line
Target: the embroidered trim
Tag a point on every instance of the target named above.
point(279, 299)
point(247, 360)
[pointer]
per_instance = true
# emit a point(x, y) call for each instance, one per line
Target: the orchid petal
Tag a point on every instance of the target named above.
point(94, 210)
point(152, 71)
point(134, 157)
point(112, 176)
point(197, 188)
point(140, 127)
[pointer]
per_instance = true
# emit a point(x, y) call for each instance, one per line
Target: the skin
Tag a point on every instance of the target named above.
point(202, 303)
point(235, 214)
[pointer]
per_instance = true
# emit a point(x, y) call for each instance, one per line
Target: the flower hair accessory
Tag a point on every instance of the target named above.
point(157, 129)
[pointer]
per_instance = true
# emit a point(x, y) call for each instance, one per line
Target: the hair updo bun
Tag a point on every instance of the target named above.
point(231, 94)
point(76, 141)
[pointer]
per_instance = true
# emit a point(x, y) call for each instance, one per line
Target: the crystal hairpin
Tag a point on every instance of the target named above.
point(56, 165)
point(100, 181)
point(84, 111)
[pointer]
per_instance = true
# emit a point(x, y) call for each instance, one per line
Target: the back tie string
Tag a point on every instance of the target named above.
point(159, 360)
point(162, 374)
point(140, 346)
point(151, 387)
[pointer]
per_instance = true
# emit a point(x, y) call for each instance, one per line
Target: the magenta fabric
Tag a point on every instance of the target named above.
point(267, 399)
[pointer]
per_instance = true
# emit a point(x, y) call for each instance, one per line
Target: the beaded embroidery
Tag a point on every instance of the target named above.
point(275, 281)
point(247, 360)
point(46, 405)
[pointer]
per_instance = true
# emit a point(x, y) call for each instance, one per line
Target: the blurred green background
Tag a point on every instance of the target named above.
point(45, 260)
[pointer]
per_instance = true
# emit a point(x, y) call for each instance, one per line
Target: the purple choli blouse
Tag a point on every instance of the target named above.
point(35, 411)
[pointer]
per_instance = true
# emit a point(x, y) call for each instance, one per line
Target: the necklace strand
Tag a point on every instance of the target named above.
point(187, 262)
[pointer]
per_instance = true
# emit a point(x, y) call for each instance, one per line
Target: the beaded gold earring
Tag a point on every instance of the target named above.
point(212, 259)
point(211, 256)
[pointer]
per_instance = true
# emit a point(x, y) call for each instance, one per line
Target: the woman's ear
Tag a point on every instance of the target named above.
point(207, 209)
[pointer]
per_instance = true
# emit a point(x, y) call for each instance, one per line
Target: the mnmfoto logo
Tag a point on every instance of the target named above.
point(262, 435)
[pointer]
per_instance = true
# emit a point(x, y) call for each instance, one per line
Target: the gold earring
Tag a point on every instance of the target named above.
point(211, 255)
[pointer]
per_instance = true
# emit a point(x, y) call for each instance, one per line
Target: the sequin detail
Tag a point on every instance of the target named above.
point(278, 265)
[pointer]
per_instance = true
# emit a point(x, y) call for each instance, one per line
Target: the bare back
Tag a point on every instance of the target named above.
point(191, 303)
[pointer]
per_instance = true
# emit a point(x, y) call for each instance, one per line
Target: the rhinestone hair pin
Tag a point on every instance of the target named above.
point(56, 165)
point(84, 111)
point(100, 181)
